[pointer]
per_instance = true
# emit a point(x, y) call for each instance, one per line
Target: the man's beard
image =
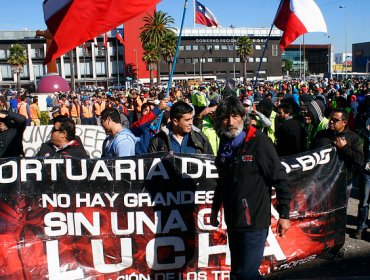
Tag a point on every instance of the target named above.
point(231, 134)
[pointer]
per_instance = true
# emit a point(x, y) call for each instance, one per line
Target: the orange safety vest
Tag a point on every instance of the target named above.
point(22, 109)
point(75, 111)
point(87, 112)
point(97, 108)
point(34, 111)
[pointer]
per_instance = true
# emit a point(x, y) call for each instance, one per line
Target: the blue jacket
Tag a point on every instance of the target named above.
point(121, 145)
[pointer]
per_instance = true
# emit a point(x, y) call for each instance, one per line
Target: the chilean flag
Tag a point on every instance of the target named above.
point(297, 17)
point(119, 37)
point(72, 22)
point(204, 16)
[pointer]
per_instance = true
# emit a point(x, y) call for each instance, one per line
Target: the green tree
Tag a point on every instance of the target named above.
point(287, 66)
point(17, 60)
point(154, 31)
point(168, 48)
point(151, 58)
point(244, 49)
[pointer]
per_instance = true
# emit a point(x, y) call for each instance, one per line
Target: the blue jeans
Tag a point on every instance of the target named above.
point(363, 205)
point(246, 250)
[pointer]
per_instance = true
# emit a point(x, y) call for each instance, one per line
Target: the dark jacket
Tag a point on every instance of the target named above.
point(11, 144)
point(290, 138)
point(197, 140)
point(75, 149)
point(352, 153)
point(245, 183)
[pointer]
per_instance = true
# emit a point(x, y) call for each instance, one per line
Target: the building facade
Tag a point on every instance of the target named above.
point(361, 57)
point(211, 53)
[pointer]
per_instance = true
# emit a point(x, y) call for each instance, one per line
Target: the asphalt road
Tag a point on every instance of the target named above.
point(353, 261)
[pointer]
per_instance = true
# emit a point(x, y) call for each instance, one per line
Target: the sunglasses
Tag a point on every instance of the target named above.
point(56, 129)
point(334, 120)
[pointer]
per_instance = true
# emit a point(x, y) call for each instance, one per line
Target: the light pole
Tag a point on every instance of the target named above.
point(137, 66)
point(232, 27)
point(345, 35)
point(194, 70)
point(330, 50)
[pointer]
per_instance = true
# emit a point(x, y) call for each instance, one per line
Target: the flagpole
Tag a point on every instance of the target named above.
point(194, 9)
point(304, 61)
point(117, 66)
point(261, 58)
point(174, 61)
point(84, 45)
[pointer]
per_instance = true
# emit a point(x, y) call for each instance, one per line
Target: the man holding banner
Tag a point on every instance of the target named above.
point(248, 167)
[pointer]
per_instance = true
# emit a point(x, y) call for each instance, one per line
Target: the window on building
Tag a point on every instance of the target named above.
point(230, 47)
point(223, 59)
point(25, 73)
point(188, 47)
point(181, 60)
point(2, 54)
point(217, 59)
point(209, 59)
point(250, 59)
point(237, 59)
point(6, 71)
point(181, 48)
point(257, 47)
point(100, 68)
point(224, 47)
point(274, 50)
point(195, 47)
point(188, 60)
point(258, 59)
point(264, 59)
point(209, 47)
point(195, 60)
point(202, 47)
point(216, 47)
point(231, 60)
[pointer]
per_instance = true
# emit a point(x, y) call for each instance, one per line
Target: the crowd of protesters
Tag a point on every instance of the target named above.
point(296, 116)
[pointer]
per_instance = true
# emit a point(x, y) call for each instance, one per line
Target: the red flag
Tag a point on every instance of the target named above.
point(119, 38)
point(204, 16)
point(72, 22)
point(105, 40)
point(297, 17)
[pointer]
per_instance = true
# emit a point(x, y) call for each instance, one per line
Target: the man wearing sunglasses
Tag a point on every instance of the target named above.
point(63, 142)
point(348, 143)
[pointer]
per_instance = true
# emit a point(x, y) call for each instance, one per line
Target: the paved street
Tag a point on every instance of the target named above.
point(354, 264)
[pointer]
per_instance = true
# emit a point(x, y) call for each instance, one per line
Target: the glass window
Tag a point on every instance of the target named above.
point(209, 59)
point(2, 54)
point(188, 48)
point(181, 60)
point(250, 59)
point(223, 59)
point(264, 59)
point(195, 60)
point(274, 50)
point(181, 48)
point(237, 59)
point(224, 47)
point(216, 47)
point(209, 47)
point(202, 47)
point(257, 47)
point(195, 47)
point(230, 47)
point(258, 59)
point(188, 60)
point(217, 59)
point(231, 59)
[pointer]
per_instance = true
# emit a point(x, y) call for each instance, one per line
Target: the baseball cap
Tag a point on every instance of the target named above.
point(247, 102)
point(55, 109)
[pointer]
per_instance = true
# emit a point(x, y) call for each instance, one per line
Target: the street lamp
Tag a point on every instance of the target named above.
point(330, 50)
point(232, 27)
point(345, 35)
point(137, 65)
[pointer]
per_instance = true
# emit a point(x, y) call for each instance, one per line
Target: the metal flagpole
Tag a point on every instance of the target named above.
point(117, 59)
point(174, 61)
point(304, 61)
point(263, 54)
point(84, 45)
point(194, 8)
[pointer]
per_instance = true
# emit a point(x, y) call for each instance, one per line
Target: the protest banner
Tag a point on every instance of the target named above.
point(148, 217)
point(92, 137)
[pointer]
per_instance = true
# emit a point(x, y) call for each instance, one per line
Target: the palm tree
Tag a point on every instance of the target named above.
point(153, 32)
point(168, 48)
point(17, 60)
point(151, 58)
point(244, 49)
